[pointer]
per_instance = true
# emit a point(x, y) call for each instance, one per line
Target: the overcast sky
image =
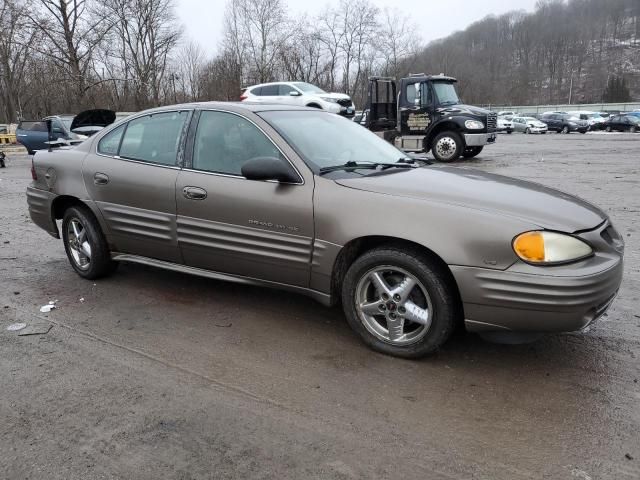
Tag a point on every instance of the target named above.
point(202, 19)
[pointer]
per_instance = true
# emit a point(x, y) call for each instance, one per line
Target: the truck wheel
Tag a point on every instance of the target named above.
point(399, 302)
point(85, 244)
point(447, 147)
point(471, 152)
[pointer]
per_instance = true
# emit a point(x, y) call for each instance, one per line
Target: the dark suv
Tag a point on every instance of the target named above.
point(564, 122)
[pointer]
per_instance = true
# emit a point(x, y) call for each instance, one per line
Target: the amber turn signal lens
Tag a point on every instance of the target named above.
point(530, 246)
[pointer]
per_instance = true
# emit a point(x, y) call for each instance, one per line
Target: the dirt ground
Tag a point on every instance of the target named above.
point(152, 374)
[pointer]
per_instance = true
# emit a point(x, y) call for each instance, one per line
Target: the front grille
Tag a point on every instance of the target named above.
point(492, 122)
point(345, 102)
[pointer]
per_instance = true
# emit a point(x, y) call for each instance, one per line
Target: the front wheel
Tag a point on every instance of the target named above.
point(84, 243)
point(447, 146)
point(566, 129)
point(633, 129)
point(471, 152)
point(399, 302)
point(527, 131)
point(608, 129)
point(509, 132)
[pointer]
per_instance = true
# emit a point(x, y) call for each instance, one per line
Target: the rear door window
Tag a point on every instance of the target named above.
point(256, 91)
point(154, 138)
point(270, 90)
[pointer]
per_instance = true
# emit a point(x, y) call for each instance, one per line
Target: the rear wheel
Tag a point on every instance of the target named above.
point(566, 129)
point(633, 129)
point(447, 146)
point(608, 129)
point(85, 244)
point(471, 152)
point(399, 302)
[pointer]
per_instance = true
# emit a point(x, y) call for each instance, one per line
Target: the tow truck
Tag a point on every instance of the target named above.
point(427, 115)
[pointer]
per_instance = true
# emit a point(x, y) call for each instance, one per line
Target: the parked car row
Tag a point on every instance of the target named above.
point(568, 122)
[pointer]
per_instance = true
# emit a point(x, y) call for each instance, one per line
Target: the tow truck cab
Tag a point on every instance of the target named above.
point(427, 115)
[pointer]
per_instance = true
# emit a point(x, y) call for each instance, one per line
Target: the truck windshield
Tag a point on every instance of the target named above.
point(326, 140)
point(446, 93)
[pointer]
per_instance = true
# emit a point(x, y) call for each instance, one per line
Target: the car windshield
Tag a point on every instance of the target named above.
point(530, 119)
point(574, 119)
point(446, 93)
point(308, 88)
point(326, 140)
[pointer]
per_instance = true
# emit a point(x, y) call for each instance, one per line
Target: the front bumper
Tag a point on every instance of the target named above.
point(538, 129)
point(479, 139)
point(526, 298)
point(40, 203)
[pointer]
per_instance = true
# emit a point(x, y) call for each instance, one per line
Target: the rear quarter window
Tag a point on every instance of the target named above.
point(110, 143)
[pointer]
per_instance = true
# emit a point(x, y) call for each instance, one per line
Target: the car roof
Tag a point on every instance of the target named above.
point(230, 106)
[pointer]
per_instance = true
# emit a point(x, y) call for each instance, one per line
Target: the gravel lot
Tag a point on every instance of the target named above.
point(152, 374)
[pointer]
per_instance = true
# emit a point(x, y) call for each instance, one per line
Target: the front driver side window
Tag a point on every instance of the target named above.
point(225, 141)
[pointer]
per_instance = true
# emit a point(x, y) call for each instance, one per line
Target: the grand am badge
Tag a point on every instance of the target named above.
point(418, 121)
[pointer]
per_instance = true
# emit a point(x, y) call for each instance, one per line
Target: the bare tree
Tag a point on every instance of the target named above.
point(145, 34)
point(17, 38)
point(72, 30)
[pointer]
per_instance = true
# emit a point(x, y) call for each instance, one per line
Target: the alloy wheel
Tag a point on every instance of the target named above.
point(446, 148)
point(79, 244)
point(393, 305)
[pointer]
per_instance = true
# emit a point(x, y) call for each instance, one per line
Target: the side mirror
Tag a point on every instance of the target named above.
point(269, 168)
point(294, 93)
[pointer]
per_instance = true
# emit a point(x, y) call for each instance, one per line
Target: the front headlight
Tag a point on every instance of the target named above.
point(550, 247)
point(330, 99)
point(474, 124)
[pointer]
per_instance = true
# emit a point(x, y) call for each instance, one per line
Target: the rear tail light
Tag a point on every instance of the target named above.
point(243, 97)
point(33, 170)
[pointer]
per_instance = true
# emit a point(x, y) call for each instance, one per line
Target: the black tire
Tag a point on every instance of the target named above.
point(527, 131)
point(509, 132)
point(608, 129)
point(455, 144)
point(471, 152)
point(433, 277)
point(566, 130)
point(543, 133)
point(583, 131)
point(100, 263)
point(633, 129)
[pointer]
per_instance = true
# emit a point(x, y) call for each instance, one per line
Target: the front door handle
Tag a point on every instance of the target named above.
point(194, 193)
point(100, 178)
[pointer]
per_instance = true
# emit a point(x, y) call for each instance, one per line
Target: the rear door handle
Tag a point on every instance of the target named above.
point(100, 178)
point(194, 193)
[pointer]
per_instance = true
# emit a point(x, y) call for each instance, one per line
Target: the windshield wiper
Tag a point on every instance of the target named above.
point(351, 165)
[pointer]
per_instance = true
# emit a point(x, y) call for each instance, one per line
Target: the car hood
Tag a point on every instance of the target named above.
point(337, 96)
point(91, 121)
point(543, 206)
point(537, 124)
point(461, 109)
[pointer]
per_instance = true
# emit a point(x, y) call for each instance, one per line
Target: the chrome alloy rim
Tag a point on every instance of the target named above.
point(446, 147)
point(393, 305)
point(79, 244)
